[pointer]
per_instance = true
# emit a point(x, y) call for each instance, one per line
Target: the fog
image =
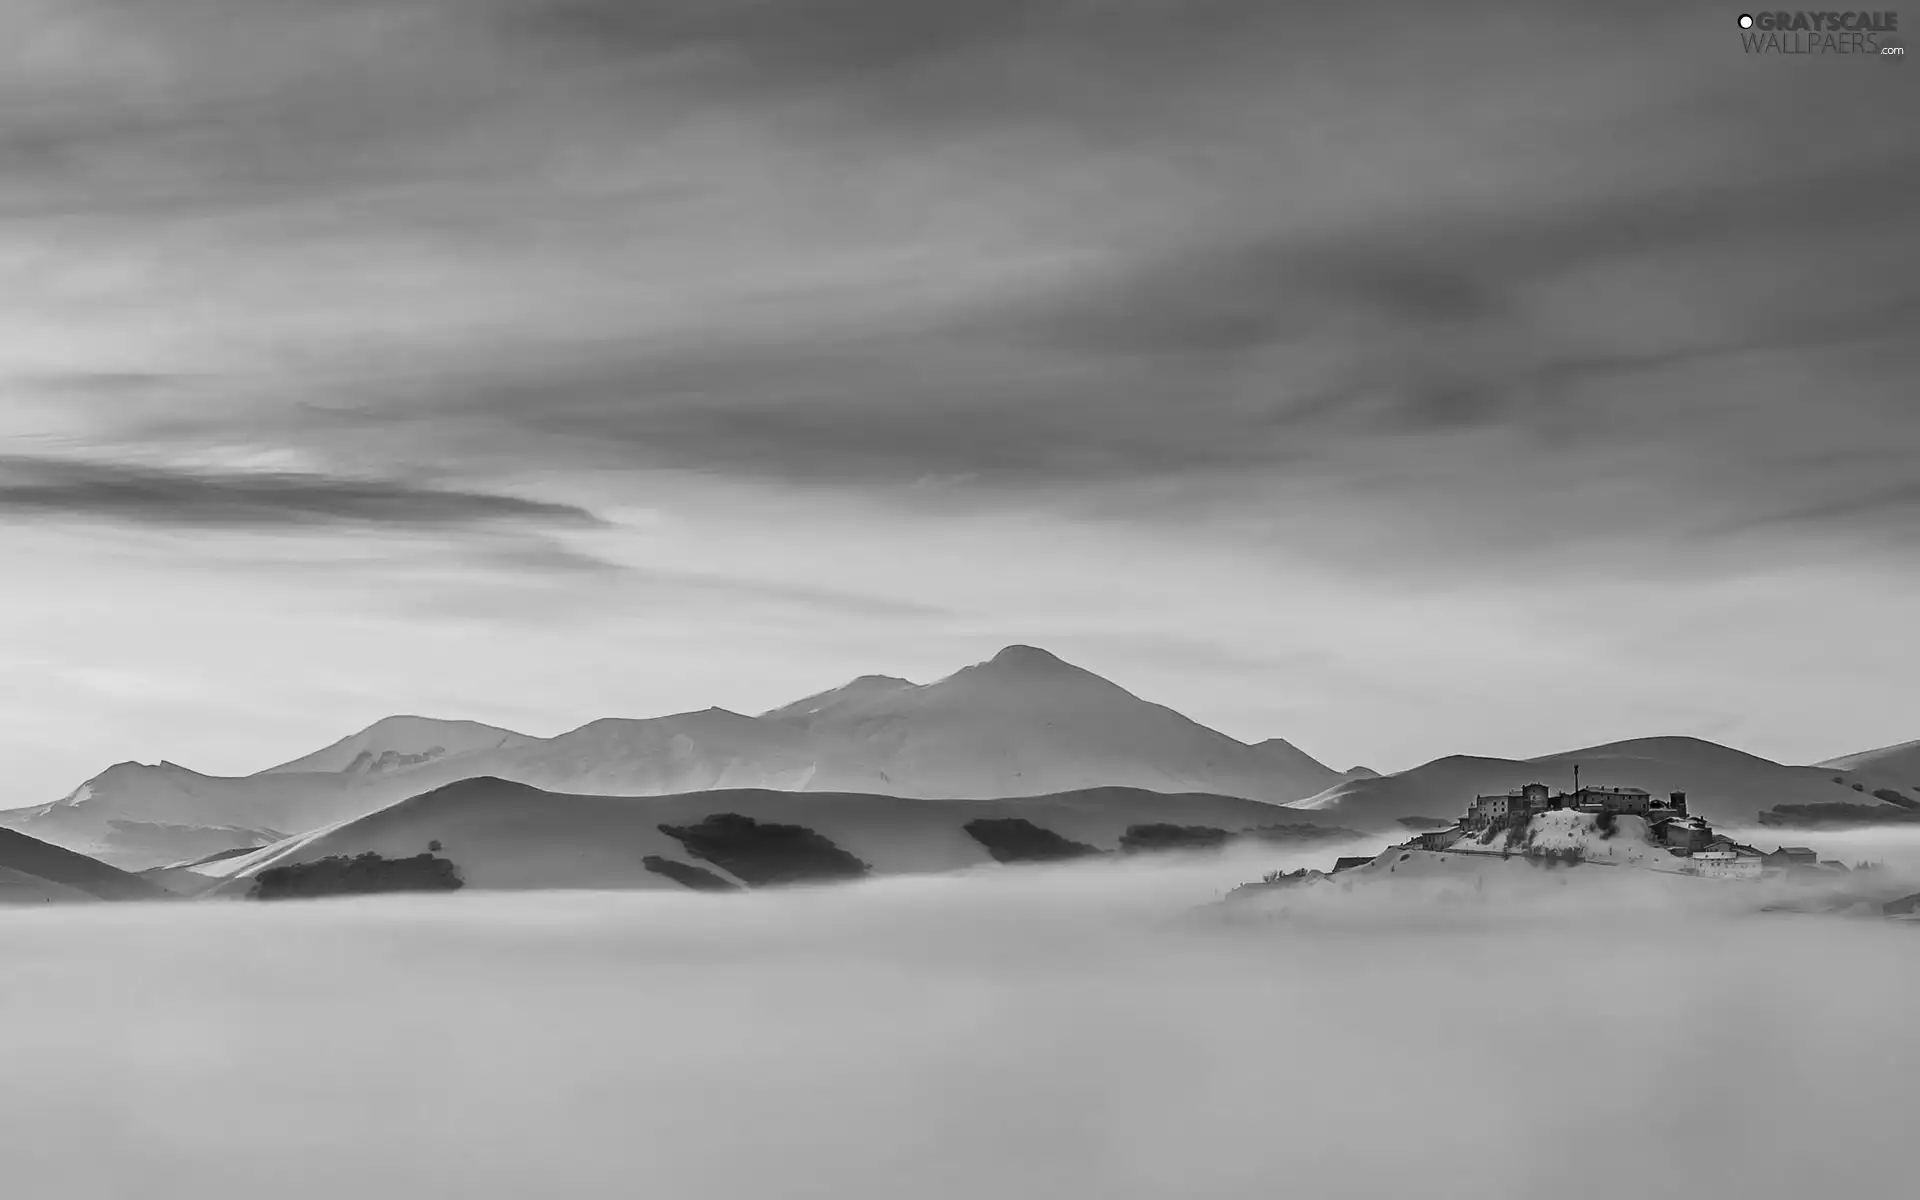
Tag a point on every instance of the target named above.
point(997, 1033)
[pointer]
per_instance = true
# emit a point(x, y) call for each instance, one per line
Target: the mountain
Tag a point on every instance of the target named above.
point(1726, 786)
point(1022, 723)
point(397, 743)
point(503, 834)
point(133, 815)
point(1025, 722)
point(33, 871)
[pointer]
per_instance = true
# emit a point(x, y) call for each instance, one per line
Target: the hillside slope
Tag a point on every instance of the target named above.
point(34, 870)
point(504, 834)
point(1896, 767)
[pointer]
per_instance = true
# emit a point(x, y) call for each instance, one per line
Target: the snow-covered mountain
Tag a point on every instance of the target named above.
point(1726, 786)
point(1021, 723)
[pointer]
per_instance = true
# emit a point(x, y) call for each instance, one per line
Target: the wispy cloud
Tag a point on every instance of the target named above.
point(51, 487)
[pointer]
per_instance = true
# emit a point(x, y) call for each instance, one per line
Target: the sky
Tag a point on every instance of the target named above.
point(1398, 381)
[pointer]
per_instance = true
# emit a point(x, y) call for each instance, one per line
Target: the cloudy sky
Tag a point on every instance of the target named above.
point(1400, 381)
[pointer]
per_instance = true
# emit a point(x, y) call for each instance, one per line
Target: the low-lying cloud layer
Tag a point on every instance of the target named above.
point(1033, 1033)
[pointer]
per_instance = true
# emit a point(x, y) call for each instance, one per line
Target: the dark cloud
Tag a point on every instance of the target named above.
point(1441, 268)
point(164, 496)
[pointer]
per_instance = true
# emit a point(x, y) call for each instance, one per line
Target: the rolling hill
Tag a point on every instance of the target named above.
point(1896, 767)
point(509, 835)
point(33, 871)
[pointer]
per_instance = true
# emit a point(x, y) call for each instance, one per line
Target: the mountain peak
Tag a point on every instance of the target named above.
point(1023, 665)
point(850, 695)
point(1019, 655)
point(403, 736)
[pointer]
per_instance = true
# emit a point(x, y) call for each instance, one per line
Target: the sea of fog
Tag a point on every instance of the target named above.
point(1002, 1033)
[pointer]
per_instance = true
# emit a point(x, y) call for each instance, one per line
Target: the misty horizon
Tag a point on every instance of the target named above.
point(536, 732)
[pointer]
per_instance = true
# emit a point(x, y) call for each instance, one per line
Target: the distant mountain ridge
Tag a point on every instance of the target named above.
point(1019, 724)
point(1022, 723)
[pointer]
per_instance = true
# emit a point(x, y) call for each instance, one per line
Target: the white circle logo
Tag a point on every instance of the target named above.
point(1746, 22)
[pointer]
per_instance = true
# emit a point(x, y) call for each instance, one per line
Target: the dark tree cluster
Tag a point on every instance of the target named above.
point(362, 874)
point(1017, 840)
point(1139, 839)
point(1159, 836)
point(1301, 831)
point(766, 855)
point(1813, 816)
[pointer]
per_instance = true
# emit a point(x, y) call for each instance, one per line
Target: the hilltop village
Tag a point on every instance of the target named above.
point(1608, 826)
point(1509, 822)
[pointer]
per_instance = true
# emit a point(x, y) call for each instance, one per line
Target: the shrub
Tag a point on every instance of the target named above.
point(1859, 787)
point(1017, 840)
point(1281, 877)
point(1604, 822)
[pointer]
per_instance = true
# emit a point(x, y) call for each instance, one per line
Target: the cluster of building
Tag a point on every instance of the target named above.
point(1668, 824)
